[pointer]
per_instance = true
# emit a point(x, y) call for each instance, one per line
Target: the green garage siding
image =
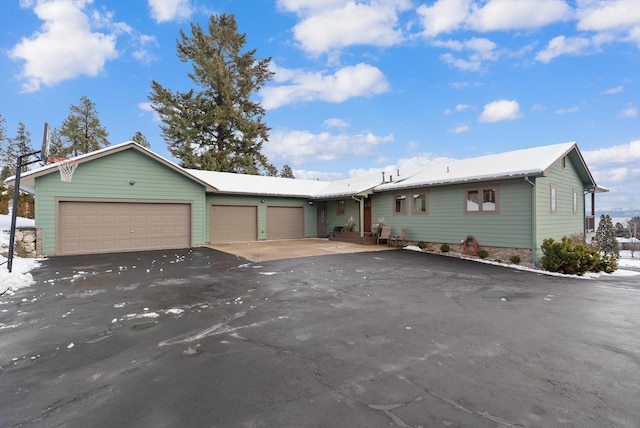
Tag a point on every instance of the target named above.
point(447, 221)
point(262, 202)
point(108, 178)
point(564, 222)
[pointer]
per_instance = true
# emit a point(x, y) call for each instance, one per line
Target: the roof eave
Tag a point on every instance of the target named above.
point(28, 178)
point(401, 186)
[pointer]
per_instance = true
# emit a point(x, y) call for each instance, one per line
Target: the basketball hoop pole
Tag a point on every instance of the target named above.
point(22, 161)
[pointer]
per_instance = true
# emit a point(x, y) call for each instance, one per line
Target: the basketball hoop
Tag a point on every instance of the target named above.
point(66, 167)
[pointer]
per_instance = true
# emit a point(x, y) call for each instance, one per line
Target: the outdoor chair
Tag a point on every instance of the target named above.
point(385, 234)
point(336, 231)
point(396, 238)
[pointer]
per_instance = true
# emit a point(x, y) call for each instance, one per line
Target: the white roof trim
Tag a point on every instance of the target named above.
point(518, 163)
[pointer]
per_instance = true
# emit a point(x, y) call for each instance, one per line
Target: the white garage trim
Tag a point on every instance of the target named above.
point(89, 226)
point(233, 223)
point(285, 222)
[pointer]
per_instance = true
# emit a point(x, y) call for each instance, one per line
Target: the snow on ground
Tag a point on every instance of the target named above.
point(20, 276)
point(626, 261)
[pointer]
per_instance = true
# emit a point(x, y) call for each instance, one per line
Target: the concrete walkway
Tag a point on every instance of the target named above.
point(262, 251)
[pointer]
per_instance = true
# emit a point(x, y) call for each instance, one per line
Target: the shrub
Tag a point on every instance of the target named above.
point(606, 237)
point(515, 259)
point(422, 245)
point(377, 227)
point(575, 259)
point(483, 254)
point(444, 248)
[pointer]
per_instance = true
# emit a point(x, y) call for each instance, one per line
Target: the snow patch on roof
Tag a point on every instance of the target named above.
point(516, 163)
point(227, 182)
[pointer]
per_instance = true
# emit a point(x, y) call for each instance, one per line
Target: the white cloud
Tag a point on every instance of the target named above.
point(500, 110)
point(170, 10)
point(147, 107)
point(458, 108)
point(562, 45)
point(537, 108)
point(324, 28)
point(299, 147)
point(481, 50)
point(629, 112)
point(336, 123)
point(616, 90)
point(304, 174)
point(621, 154)
point(405, 165)
point(567, 110)
point(609, 20)
point(610, 15)
point(444, 16)
point(518, 14)
point(142, 53)
point(460, 129)
point(613, 175)
point(65, 47)
point(348, 82)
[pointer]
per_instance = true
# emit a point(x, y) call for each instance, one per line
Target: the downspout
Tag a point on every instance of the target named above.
point(361, 201)
point(534, 243)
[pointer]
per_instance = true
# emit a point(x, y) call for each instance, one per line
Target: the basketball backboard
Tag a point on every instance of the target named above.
point(46, 142)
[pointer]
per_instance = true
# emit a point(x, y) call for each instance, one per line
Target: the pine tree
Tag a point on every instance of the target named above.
point(7, 152)
point(56, 144)
point(286, 172)
point(606, 237)
point(219, 126)
point(139, 138)
point(634, 227)
point(22, 142)
point(82, 129)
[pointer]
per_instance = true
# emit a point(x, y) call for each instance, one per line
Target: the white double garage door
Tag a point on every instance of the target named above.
point(86, 227)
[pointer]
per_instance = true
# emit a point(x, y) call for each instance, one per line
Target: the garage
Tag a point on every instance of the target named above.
point(285, 222)
point(234, 223)
point(87, 227)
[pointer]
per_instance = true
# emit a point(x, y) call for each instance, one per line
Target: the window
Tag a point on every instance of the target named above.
point(554, 198)
point(340, 207)
point(400, 204)
point(484, 200)
point(489, 200)
point(575, 201)
point(419, 203)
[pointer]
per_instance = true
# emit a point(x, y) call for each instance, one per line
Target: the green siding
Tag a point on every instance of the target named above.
point(352, 209)
point(108, 178)
point(564, 222)
point(310, 215)
point(447, 221)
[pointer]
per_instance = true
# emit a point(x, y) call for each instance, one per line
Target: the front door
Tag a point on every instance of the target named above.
point(367, 215)
point(322, 220)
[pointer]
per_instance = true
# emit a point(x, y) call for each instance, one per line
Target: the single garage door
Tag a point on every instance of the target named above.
point(105, 227)
point(285, 222)
point(233, 223)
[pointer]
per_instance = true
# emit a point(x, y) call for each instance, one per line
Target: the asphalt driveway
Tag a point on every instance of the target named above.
point(395, 338)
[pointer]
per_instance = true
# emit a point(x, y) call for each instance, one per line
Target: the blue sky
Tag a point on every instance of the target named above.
point(360, 86)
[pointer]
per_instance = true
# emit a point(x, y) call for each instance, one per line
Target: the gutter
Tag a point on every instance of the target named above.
point(361, 201)
point(533, 219)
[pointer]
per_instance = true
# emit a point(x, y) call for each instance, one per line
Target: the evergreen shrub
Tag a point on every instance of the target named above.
point(575, 259)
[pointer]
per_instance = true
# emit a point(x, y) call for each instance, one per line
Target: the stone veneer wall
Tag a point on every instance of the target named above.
point(501, 254)
point(28, 242)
